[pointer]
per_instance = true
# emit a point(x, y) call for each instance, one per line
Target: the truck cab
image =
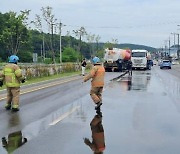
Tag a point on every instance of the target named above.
point(139, 59)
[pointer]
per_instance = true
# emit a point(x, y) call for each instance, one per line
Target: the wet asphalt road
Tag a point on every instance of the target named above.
point(140, 115)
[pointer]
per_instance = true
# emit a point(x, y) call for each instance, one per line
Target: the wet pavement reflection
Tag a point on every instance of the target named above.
point(139, 116)
point(13, 141)
point(97, 145)
point(138, 81)
point(14, 120)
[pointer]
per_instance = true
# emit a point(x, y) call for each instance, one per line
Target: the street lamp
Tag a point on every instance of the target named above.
point(174, 38)
point(178, 42)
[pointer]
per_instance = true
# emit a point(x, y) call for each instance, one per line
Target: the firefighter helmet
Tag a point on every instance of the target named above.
point(13, 59)
point(96, 60)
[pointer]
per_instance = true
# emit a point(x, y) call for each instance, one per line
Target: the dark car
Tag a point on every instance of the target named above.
point(165, 64)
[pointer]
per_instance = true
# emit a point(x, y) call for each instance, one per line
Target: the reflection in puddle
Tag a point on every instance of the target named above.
point(138, 81)
point(14, 120)
point(97, 144)
point(13, 141)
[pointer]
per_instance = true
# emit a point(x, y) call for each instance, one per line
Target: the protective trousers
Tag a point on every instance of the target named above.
point(96, 94)
point(83, 70)
point(13, 96)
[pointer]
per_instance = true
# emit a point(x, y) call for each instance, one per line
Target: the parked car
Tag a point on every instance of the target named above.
point(165, 64)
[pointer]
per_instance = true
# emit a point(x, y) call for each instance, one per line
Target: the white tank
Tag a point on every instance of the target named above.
point(115, 54)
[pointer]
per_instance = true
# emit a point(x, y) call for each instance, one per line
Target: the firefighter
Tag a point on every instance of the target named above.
point(12, 76)
point(98, 141)
point(97, 75)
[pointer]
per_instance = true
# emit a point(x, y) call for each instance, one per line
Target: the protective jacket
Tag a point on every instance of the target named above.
point(12, 75)
point(97, 74)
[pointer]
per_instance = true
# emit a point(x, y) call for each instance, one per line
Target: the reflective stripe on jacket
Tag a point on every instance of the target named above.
point(12, 75)
point(97, 74)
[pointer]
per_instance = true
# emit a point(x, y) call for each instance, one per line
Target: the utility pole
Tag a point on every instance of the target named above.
point(44, 55)
point(52, 43)
point(165, 46)
point(60, 46)
point(178, 45)
point(60, 52)
point(174, 39)
point(169, 47)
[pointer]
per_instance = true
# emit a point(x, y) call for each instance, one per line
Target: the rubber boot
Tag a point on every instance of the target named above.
point(15, 109)
point(98, 105)
point(8, 106)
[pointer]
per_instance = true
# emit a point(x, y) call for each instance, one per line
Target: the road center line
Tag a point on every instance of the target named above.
point(43, 87)
point(64, 115)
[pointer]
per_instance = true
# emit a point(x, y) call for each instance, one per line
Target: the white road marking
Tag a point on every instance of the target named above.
point(64, 115)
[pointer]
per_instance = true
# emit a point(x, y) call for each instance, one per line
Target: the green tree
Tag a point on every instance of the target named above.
point(100, 53)
point(25, 56)
point(3, 54)
point(108, 45)
point(70, 55)
point(14, 33)
point(51, 23)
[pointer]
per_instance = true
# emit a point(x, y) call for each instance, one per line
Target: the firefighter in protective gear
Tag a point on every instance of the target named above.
point(12, 77)
point(14, 141)
point(97, 74)
point(98, 140)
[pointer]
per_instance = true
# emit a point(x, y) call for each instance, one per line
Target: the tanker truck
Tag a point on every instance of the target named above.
point(116, 59)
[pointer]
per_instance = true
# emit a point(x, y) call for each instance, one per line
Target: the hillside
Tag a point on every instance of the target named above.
point(133, 46)
point(136, 46)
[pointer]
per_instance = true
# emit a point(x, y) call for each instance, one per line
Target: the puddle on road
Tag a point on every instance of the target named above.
point(13, 141)
point(16, 139)
point(97, 143)
point(171, 87)
point(139, 81)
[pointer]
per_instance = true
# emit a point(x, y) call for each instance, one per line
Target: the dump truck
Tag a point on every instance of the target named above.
point(116, 59)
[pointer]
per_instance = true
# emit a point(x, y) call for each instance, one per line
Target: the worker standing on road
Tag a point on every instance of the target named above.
point(129, 67)
point(97, 74)
point(83, 66)
point(12, 76)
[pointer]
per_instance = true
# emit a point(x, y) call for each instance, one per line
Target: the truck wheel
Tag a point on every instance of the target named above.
point(106, 69)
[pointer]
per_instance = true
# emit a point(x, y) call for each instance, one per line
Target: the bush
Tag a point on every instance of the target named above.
point(69, 67)
point(48, 61)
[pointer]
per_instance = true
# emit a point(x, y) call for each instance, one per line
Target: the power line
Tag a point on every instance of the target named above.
point(133, 26)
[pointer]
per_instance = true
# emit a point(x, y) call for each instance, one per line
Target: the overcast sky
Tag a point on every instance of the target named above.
point(146, 22)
